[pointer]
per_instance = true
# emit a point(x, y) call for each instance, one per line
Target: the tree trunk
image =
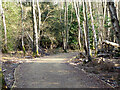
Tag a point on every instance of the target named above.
point(65, 27)
point(51, 45)
point(100, 24)
point(114, 19)
point(93, 27)
point(71, 12)
point(79, 29)
point(39, 14)
point(22, 27)
point(109, 28)
point(105, 8)
point(117, 8)
point(86, 32)
point(4, 26)
point(111, 43)
point(35, 35)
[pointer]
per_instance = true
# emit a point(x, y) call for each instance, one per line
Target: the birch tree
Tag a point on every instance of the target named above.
point(93, 27)
point(67, 29)
point(78, 19)
point(71, 11)
point(105, 8)
point(35, 35)
point(86, 32)
point(65, 37)
point(22, 27)
point(104, 20)
point(4, 26)
point(39, 15)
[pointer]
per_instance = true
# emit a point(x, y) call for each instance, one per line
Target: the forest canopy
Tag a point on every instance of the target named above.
point(82, 25)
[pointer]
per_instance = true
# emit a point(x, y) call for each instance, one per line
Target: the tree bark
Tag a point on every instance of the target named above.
point(39, 15)
point(65, 27)
point(93, 27)
point(86, 32)
point(109, 28)
point(22, 27)
point(100, 24)
point(111, 43)
point(114, 19)
point(72, 12)
point(35, 35)
point(117, 8)
point(105, 8)
point(79, 29)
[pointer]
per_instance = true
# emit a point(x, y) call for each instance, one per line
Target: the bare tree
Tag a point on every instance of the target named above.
point(114, 19)
point(35, 35)
point(39, 15)
point(66, 28)
point(78, 19)
point(86, 32)
point(71, 11)
point(93, 27)
point(4, 26)
point(22, 27)
point(117, 7)
point(105, 8)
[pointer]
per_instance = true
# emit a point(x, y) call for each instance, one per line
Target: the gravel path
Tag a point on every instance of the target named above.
point(54, 72)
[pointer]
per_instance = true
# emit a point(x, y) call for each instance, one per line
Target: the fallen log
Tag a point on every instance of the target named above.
point(111, 43)
point(103, 55)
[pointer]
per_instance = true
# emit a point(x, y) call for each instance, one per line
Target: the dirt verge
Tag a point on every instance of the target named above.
point(106, 69)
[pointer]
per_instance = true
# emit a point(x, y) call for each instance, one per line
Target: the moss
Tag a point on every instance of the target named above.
point(24, 50)
point(37, 52)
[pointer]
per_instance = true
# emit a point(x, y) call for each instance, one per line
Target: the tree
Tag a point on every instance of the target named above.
point(5, 30)
point(114, 19)
point(35, 35)
point(86, 32)
point(67, 29)
point(23, 47)
point(39, 15)
point(65, 33)
point(93, 27)
point(78, 19)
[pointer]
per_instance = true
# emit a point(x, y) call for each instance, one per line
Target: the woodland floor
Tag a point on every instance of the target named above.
point(106, 69)
point(63, 70)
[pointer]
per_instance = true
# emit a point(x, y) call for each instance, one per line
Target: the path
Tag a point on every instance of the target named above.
point(53, 72)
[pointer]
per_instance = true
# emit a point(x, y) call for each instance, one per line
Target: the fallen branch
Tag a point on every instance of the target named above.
point(111, 43)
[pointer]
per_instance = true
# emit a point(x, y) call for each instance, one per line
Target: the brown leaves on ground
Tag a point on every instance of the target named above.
point(106, 69)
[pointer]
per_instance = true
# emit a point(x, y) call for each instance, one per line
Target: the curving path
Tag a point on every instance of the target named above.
point(54, 72)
